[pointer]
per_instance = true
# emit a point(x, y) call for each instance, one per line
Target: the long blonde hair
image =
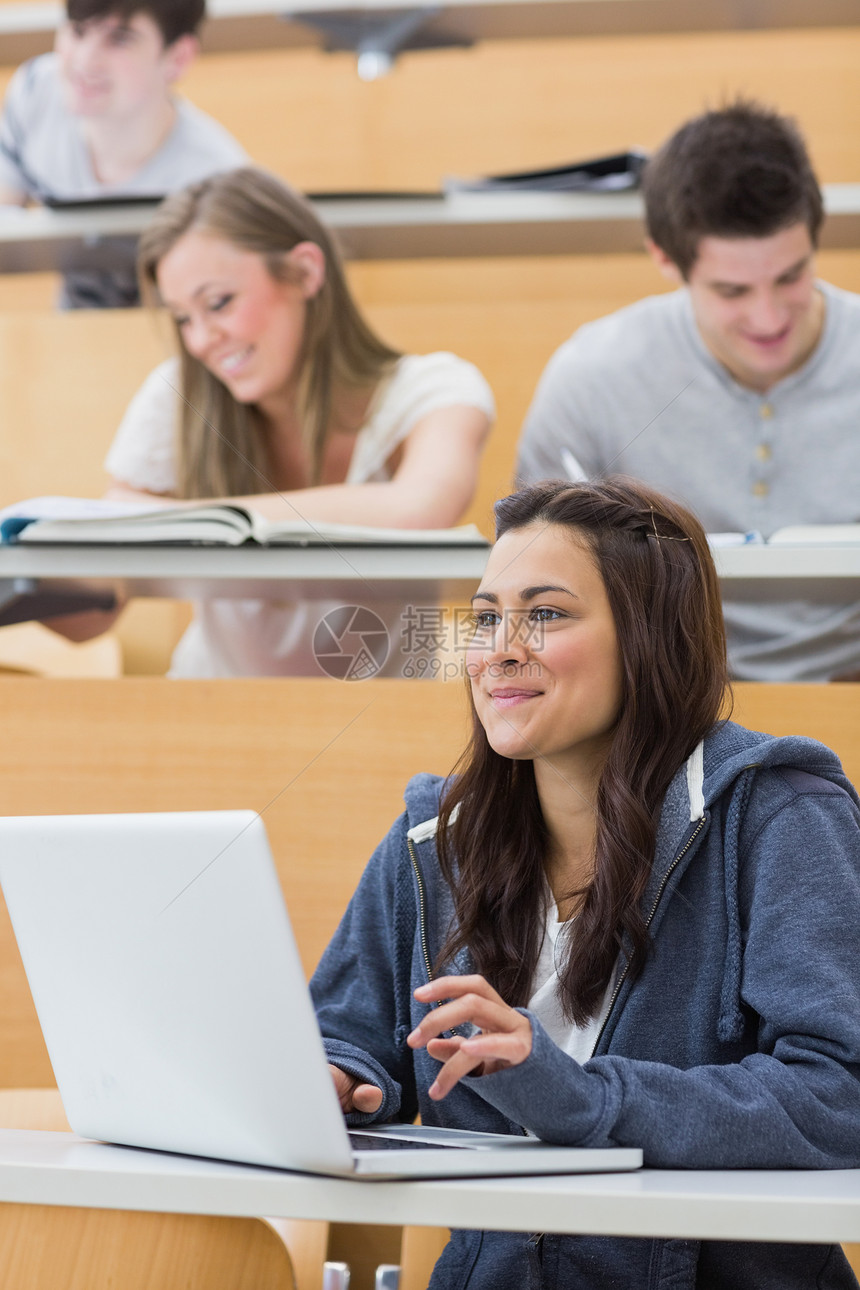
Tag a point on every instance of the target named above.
point(221, 446)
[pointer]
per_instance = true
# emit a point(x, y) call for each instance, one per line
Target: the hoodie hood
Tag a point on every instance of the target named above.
point(728, 755)
point(721, 769)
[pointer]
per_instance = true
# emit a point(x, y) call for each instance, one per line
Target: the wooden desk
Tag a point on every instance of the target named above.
point(41, 1167)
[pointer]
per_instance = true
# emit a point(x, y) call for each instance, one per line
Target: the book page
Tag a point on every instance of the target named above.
point(816, 535)
point(326, 533)
point(101, 521)
point(69, 520)
point(752, 538)
point(72, 508)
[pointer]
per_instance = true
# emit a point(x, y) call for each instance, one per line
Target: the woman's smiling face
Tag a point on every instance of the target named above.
point(243, 324)
point(544, 663)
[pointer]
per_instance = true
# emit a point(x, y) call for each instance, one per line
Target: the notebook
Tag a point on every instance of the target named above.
point(175, 1010)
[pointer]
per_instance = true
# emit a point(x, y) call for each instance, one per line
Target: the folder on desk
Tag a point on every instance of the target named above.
point(601, 174)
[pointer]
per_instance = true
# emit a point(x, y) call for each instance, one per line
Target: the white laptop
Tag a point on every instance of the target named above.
point(175, 1009)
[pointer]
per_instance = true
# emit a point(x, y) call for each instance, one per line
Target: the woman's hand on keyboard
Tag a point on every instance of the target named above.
point(352, 1094)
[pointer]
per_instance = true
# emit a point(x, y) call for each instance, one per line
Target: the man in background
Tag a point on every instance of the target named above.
point(97, 118)
point(739, 393)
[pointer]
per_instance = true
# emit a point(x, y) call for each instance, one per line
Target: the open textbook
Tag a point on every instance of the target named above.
point(793, 535)
point(71, 519)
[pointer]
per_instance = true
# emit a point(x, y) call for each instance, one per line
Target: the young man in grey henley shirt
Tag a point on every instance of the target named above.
point(739, 393)
point(98, 119)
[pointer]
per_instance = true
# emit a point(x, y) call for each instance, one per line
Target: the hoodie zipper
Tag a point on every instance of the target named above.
point(659, 896)
point(422, 908)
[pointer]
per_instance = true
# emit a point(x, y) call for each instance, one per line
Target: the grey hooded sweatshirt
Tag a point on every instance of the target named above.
point(737, 1045)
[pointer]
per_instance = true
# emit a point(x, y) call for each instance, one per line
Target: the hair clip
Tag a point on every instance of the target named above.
point(665, 537)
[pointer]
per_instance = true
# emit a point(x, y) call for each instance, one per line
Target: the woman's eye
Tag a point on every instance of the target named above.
point(545, 615)
point(485, 618)
point(220, 303)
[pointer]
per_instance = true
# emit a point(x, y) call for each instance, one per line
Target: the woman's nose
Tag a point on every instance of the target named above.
point(494, 649)
point(508, 642)
point(197, 336)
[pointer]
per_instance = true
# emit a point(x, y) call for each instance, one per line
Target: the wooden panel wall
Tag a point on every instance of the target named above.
point(507, 104)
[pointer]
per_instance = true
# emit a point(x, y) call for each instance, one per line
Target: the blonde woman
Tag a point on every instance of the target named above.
point(284, 398)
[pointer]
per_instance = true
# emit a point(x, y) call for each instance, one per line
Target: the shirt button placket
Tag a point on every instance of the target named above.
point(762, 474)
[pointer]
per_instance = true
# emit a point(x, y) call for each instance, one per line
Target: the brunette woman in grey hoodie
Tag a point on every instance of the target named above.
point(625, 920)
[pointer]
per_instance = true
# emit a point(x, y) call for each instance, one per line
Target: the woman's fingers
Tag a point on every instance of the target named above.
point(503, 1038)
point(452, 987)
point(452, 1071)
point(442, 1049)
point(366, 1097)
point(483, 1055)
point(472, 1001)
point(353, 1095)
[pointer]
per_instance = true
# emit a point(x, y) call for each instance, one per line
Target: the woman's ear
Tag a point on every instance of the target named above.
point(307, 262)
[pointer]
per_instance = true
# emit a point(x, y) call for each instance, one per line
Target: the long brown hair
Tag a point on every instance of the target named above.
point(662, 587)
point(221, 445)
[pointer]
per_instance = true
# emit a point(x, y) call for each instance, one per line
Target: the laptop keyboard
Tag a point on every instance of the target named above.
point(366, 1142)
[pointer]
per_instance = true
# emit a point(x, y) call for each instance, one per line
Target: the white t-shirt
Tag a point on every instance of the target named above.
point(43, 153)
point(275, 638)
point(577, 1041)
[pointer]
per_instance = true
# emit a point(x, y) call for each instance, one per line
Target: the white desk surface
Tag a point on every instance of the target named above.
point(256, 572)
point(325, 572)
point(39, 1167)
point(372, 228)
point(369, 228)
